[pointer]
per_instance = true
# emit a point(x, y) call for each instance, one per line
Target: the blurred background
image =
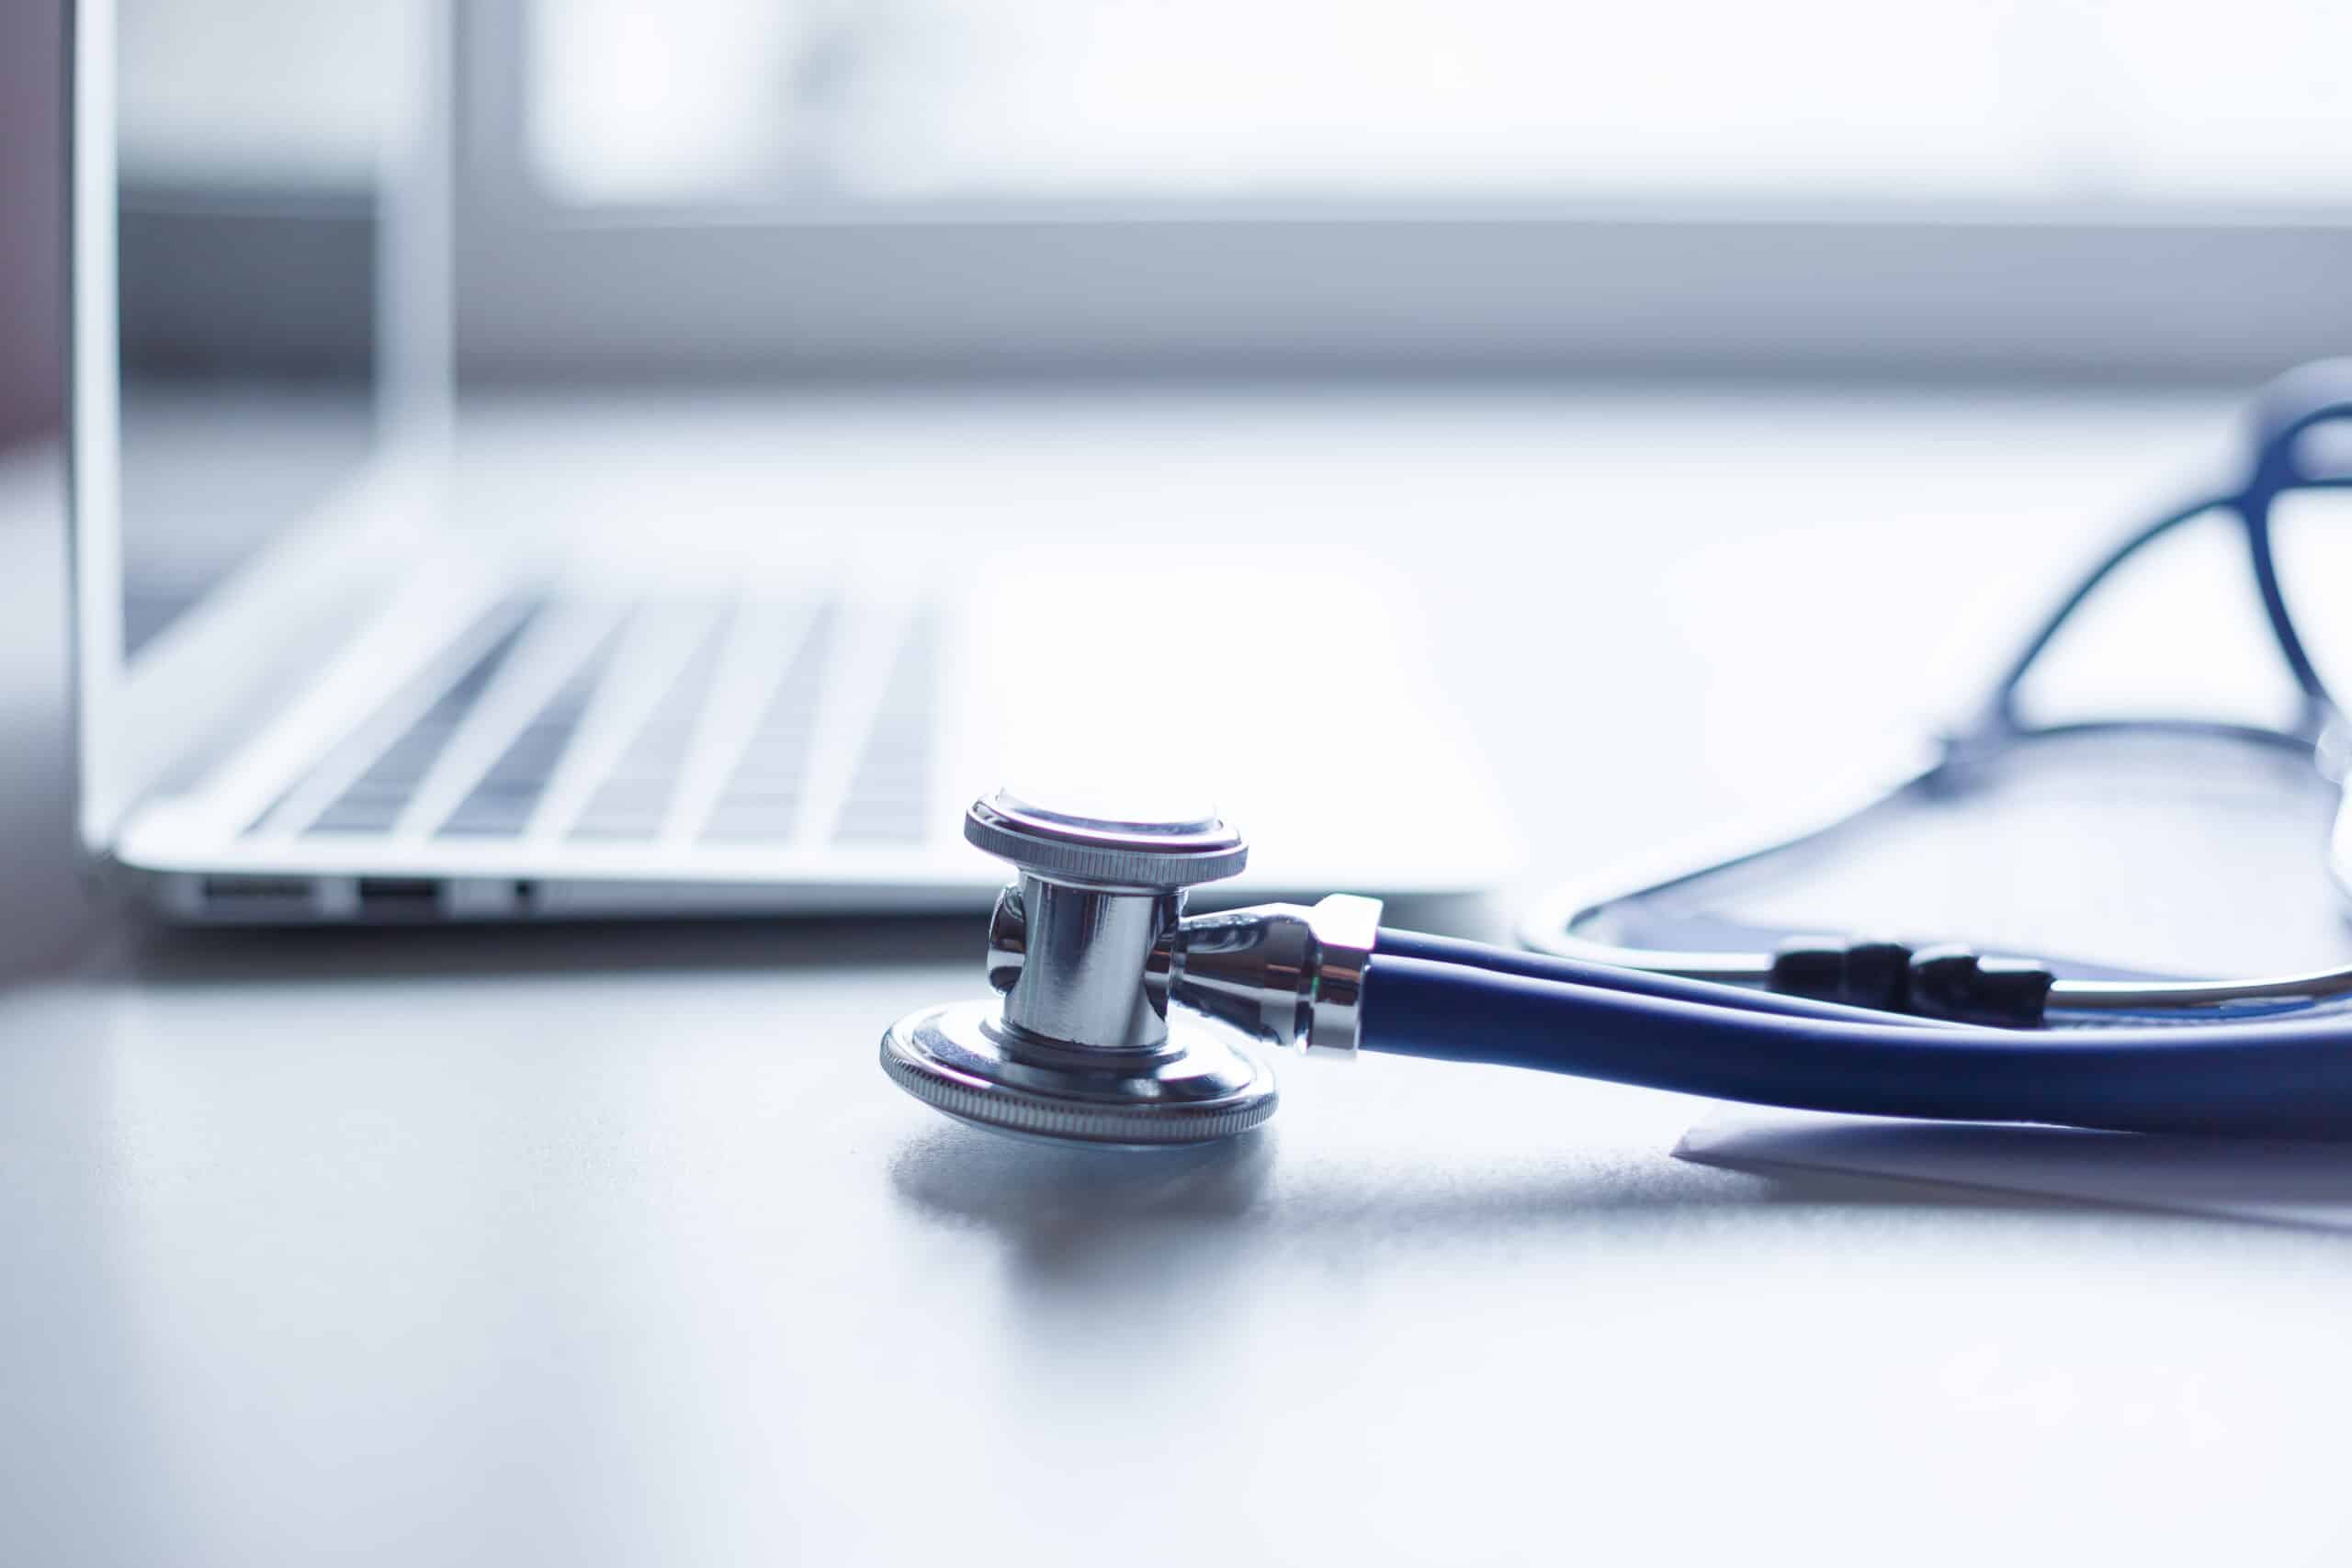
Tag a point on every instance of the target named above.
point(2035, 188)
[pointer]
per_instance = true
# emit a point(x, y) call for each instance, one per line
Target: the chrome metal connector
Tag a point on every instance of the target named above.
point(1288, 974)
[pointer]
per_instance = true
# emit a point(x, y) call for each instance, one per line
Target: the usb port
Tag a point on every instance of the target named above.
point(260, 899)
point(398, 898)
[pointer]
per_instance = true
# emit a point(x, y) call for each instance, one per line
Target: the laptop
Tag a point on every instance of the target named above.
point(350, 648)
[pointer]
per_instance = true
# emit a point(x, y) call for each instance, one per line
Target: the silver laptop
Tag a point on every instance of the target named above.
point(351, 648)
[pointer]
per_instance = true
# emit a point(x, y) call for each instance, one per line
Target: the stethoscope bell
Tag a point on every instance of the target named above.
point(1079, 1046)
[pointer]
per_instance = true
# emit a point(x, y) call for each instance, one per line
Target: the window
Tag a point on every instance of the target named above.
point(2061, 102)
point(2104, 187)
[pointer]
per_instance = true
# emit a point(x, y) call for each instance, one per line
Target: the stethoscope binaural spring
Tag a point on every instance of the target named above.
point(1115, 1019)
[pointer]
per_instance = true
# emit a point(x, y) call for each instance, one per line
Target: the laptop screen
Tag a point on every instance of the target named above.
point(249, 136)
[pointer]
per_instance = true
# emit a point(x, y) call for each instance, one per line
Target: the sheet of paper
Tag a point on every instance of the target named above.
point(2280, 1183)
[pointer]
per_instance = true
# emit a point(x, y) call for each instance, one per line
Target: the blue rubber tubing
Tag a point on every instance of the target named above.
point(2287, 1080)
point(1642, 982)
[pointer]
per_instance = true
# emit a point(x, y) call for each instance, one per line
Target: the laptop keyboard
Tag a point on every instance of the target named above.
point(764, 753)
point(889, 792)
point(632, 800)
point(502, 801)
point(764, 793)
point(373, 802)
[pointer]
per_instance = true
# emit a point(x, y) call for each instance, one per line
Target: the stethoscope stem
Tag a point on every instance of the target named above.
point(1573, 923)
point(2168, 996)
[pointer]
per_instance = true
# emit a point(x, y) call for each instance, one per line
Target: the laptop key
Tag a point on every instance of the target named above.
point(372, 802)
point(763, 798)
point(501, 803)
point(889, 793)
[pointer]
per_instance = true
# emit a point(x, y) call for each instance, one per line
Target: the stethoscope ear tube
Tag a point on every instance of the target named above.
point(2284, 412)
point(2290, 1080)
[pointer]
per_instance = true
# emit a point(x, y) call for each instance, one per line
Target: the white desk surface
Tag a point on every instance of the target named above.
point(614, 1247)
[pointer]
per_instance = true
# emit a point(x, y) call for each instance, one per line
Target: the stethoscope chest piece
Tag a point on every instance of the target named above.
point(1195, 1088)
point(1078, 1046)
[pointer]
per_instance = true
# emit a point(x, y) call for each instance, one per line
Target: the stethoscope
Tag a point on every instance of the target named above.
point(1117, 1019)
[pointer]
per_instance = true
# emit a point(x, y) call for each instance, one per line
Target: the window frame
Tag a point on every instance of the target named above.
point(1917, 290)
